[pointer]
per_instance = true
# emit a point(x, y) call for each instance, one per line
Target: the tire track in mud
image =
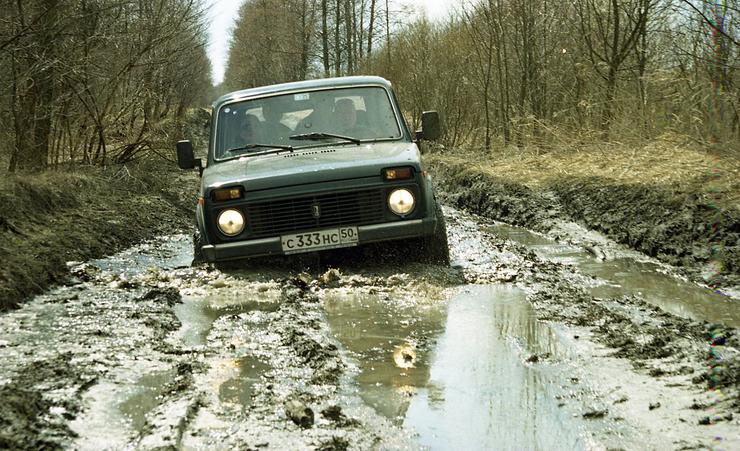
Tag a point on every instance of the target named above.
point(303, 370)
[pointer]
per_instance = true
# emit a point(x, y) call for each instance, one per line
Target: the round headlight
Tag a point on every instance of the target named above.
point(401, 201)
point(231, 222)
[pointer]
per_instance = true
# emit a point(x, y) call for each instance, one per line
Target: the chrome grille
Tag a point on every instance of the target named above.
point(281, 216)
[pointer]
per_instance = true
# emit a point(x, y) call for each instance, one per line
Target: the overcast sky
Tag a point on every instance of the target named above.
point(223, 12)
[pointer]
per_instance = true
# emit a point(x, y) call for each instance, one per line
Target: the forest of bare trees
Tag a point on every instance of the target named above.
point(95, 81)
point(513, 72)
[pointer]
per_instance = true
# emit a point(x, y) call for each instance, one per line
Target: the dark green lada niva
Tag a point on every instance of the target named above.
point(314, 165)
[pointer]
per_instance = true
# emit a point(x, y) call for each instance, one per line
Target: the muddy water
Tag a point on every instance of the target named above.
point(198, 313)
point(459, 372)
point(164, 252)
point(393, 338)
point(626, 274)
point(462, 366)
point(148, 389)
point(238, 389)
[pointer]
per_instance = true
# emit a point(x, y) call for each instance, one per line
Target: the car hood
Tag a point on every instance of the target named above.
point(311, 165)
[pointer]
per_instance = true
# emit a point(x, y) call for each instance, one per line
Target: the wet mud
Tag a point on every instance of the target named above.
point(520, 343)
point(49, 219)
point(678, 228)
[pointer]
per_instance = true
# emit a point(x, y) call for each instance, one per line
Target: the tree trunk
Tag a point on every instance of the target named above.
point(36, 104)
point(348, 27)
point(306, 41)
point(370, 28)
point(325, 38)
point(337, 41)
point(388, 32)
point(607, 112)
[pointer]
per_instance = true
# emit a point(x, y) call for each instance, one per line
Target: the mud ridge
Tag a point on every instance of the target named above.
point(676, 227)
point(51, 219)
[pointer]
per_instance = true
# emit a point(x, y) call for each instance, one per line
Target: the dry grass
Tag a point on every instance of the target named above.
point(669, 162)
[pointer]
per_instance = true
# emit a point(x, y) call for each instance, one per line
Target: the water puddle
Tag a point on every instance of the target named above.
point(238, 389)
point(384, 332)
point(164, 252)
point(456, 372)
point(629, 276)
point(197, 315)
point(149, 389)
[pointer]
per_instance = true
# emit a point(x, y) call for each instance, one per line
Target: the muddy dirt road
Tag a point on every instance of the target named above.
point(523, 343)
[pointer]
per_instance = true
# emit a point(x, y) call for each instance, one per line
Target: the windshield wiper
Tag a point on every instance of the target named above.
point(315, 136)
point(258, 146)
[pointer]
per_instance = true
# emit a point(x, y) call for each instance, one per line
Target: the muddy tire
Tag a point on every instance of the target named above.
point(197, 249)
point(435, 248)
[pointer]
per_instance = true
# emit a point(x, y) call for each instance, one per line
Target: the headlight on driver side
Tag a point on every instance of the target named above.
point(401, 201)
point(231, 222)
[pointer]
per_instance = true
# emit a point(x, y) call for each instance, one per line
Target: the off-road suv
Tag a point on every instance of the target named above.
point(314, 165)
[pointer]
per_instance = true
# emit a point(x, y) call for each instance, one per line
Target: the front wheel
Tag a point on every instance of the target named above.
point(435, 248)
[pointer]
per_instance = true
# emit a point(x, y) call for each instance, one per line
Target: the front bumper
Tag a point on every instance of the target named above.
point(367, 234)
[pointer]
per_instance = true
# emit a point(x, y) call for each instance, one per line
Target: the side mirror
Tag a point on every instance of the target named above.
point(185, 155)
point(431, 128)
point(186, 158)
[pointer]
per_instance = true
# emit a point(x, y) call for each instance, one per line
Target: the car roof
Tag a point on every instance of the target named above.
point(338, 82)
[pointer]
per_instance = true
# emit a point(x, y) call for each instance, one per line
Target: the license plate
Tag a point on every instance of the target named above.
point(322, 239)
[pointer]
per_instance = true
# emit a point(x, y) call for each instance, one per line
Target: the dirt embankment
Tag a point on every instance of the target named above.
point(49, 219)
point(682, 210)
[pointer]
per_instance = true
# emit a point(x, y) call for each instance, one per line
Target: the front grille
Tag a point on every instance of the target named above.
point(281, 216)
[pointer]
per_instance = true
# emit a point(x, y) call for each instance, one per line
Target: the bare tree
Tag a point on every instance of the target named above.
point(610, 29)
point(96, 79)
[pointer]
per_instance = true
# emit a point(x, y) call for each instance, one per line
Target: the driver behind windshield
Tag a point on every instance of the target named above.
point(272, 129)
point(345, 116)
point(249, 130)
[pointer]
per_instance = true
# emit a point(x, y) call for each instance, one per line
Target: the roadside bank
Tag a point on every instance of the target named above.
point(49, 219)
point(677, 205)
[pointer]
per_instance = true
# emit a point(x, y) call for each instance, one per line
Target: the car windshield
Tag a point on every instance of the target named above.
point(348, 115)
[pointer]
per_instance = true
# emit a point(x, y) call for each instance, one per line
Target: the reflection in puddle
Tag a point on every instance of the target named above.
point(454, 372)
point(404, 356)
point(238, 389)
point(197, 314)
point(628, 276)
point(481, 394)
point(149, 389)
point(394, 338)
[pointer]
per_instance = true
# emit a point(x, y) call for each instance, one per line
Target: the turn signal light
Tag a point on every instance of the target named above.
point(398, 173)
point(223, 194)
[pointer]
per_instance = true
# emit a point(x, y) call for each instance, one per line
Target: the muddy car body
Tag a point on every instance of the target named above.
point(313, 165)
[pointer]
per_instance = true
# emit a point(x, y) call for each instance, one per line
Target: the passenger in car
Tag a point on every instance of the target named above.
point(345, 114)
point(346, 117)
